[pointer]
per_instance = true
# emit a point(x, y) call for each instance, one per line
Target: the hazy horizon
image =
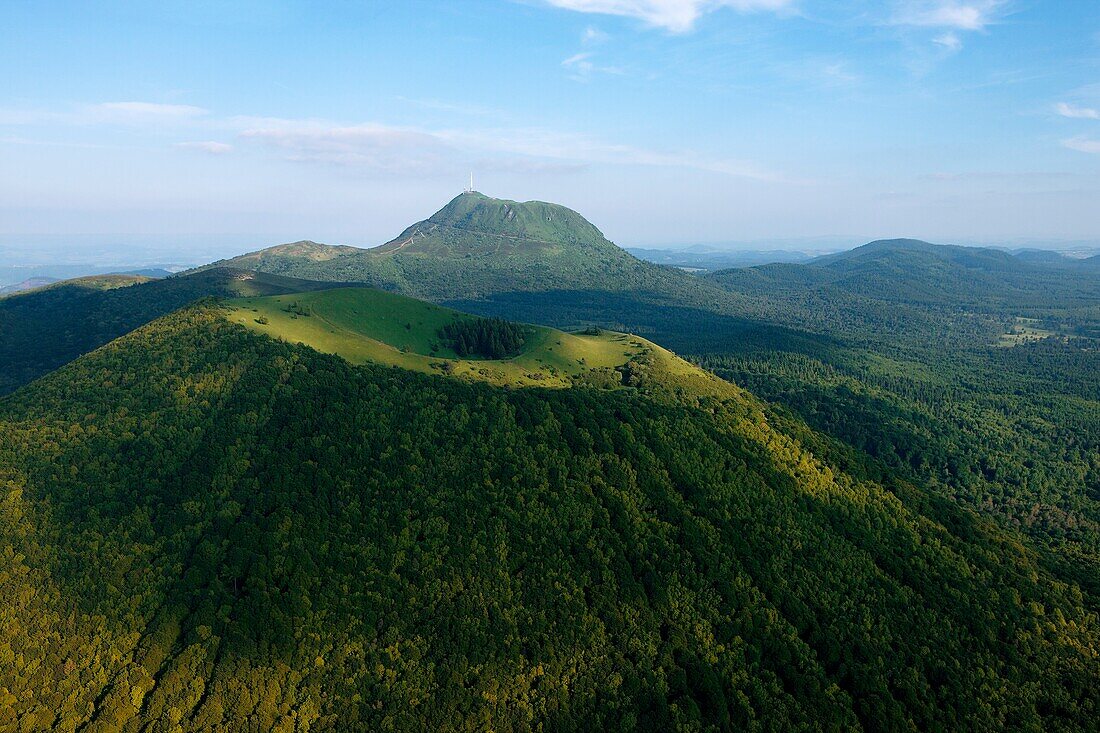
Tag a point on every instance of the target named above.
point(664, 122)
point(61, 256)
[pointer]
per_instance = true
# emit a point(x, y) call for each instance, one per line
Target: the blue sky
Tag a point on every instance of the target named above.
point(663, 121)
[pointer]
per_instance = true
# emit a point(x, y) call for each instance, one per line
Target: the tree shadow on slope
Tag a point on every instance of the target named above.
point(685, 328)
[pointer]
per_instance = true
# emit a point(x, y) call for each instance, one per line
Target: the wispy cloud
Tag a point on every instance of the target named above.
point(676, 16)
point(1079, 113)
point(581, 67)
point(949, 19)
point(593, 36)
point(407, 151)
point(206, 146)
point(396, 150)
point(547, 144)
point(834, 73)
point(1082, 144)
point(962, 15)
point(949, 40)
point(372, 146)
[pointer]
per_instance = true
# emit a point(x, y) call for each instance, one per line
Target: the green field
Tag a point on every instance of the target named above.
point(1024, 331)
point(365, 325)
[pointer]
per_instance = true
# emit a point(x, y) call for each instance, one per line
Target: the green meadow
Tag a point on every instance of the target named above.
point(365, 325)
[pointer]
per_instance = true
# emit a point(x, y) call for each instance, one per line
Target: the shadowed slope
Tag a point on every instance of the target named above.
point(42, 329)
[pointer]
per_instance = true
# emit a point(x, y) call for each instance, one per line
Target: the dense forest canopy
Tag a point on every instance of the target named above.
point(492, 338)
point(967, 371)
point(209, 528)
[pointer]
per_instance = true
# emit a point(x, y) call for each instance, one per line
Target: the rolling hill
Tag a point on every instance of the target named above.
point(209, 528)
point(899, 290)
point(911, 271)
point(29, 284)
point(972, 372)
point(44, 328)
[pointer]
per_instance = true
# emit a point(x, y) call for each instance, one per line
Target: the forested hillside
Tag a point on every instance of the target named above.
point(973, 372)
point(477, 246)
point(967, 371)
point(45, 328)
point(206, 528)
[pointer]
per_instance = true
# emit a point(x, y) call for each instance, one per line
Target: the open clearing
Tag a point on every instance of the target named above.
point(366, 325)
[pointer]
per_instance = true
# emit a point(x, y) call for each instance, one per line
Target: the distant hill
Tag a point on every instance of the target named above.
point(150, 272)
point(105, 281)
point(894, 249)
point(1045, 257)
point(714, 259)
point(286, 256)
point(907, 271)
point(473, 247)
point(96, 282)
point(29, 284)
point(205, 528)
point(44, 328)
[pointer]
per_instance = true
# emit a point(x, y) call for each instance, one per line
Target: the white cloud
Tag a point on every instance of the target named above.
point(372, 146)
point(139, 115)
point(949, 40)
point(593, 36)
point(406, 151)
point(577, 59)
point(581, 67)
point(971, 15)
point(546, 144)
point(1082, 144)
point(677, 16)
point(1080, 113)
point(206, 146)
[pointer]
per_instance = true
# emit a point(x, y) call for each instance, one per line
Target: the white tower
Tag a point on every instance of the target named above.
point(470, 188)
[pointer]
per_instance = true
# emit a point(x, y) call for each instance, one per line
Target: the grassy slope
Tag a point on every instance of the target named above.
point(364, 325)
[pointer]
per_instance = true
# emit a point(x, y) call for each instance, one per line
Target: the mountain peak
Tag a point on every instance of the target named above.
point(475, 246)
point(488, 223)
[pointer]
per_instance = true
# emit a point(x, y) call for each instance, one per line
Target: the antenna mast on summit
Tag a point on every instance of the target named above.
point(470, 188)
